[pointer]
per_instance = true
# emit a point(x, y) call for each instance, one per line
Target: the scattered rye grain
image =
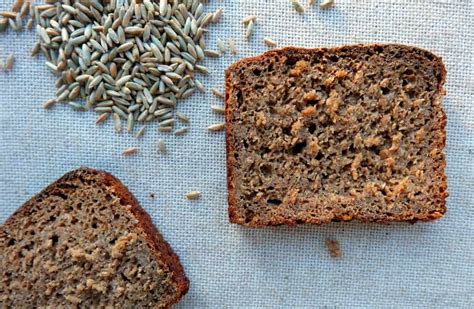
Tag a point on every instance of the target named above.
point(25, 9)
point(218, 109)
point(232, 47)
point(199, 85)
point(165, 129)
point(8, 14)
point(130, 122)
point(167, 122)
point(103, 109)
point(248, 19)
point(62, 95)
point(19, 22)
point(220, 45)
point(216, 127)
point(217, 93)
point(53, 68)
point(211, 53)
point(249, 30)
point(36, 48)
point(102, 118)
point(193, 195)
point(49, 103)
point(202, 69)
point(130, 151)
point(326, 4)
point(16, 7)
point(217, 15)
point(3, 24)
point(161, 146)
point(43, 34)
point(76, 106)
point(297, 6)
point(182, 117)
point(117, 110)
point(140, 132)
point(12, 24)
point(163, 8)
point(117, 122)
point(181, 131)
point(270, 42)
point(9, 62)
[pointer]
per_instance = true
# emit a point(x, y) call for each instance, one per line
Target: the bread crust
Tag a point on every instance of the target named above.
point(440, 196)
point(162, 250)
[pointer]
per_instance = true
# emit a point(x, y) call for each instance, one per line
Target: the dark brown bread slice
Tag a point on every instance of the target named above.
point(336, 134)
point(84, 241)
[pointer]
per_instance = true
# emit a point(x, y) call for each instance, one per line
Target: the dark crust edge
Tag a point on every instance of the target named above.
point(162, 250)
point(230, 147)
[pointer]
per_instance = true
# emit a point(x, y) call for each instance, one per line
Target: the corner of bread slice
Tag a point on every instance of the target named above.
point(161, 247)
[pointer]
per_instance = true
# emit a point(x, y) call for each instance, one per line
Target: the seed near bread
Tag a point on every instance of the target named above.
point(85, 241)
point(331, 134)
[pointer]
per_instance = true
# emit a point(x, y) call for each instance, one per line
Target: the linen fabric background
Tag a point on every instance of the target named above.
point(398, 265)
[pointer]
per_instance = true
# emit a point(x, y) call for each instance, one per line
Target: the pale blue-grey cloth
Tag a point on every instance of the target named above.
point(425, 265)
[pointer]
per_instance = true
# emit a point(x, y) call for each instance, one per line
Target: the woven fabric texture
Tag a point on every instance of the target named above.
point(398, 265)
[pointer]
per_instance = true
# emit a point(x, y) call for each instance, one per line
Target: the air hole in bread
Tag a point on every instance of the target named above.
point(298, 148)
point(290, 61)
point(55, 239)
point(266, 169)
point(274, 201)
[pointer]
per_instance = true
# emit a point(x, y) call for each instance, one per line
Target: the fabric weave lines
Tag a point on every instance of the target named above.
point(400, 265)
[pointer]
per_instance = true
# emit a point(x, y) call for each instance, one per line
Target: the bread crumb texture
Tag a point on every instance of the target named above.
point(321, 135)
point(78, 244)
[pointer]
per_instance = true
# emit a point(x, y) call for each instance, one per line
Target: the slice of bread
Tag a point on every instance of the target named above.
point(336, 134)
point(84, 241)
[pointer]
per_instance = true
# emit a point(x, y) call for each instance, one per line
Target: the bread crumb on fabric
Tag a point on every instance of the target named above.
point(334, 248)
